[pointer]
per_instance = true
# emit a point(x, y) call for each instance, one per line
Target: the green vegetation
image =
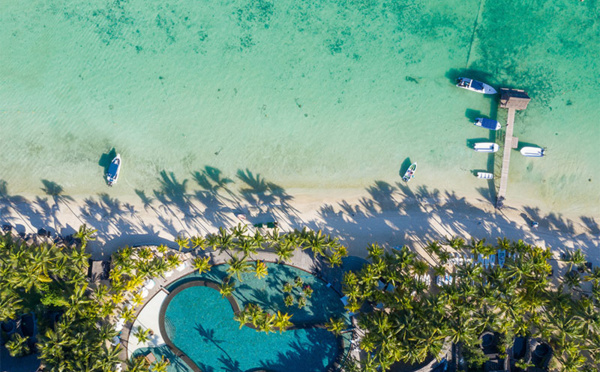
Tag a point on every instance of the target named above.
point(518, 299)
point(262, 320)
point(45, 279)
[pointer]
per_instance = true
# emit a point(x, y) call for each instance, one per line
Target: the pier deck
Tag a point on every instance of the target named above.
point(508, 146)
point(513, 100)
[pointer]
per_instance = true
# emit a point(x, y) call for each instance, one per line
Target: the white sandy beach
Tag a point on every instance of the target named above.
point(387, 214)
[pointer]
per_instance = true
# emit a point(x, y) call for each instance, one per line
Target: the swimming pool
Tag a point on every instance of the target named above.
point(200, 323)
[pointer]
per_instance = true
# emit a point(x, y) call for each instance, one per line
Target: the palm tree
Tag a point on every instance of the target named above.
point(247, 246)
point(163, 249)
point(282, 321)
point(128, 315)
point(594, 276)
point(284, 251)
point(182, 242)
point(198, 242)
point(258, 239)
point(85, 234)
point(142, 335)
point(334, 259)
point(243, 317)
point(239, 231)
point(420, 267)
point(288, 300)
point(237, 266)
point(17, 345)
point(265, 323)
point(202, 264)
point(173, 261)
point(335, 325)
point(457, 243)
point(160, 366)
point(576, 258)
point(109, 357)
point(224, 239)
point(79, 259)
point(375, 252)
point(317, 243)
point(572, 280)
point(144, 254)
point(226, 289)
point(137, 364)
point(260, 269)
point(10, 305)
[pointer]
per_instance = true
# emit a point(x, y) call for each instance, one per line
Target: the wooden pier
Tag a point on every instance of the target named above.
point(513, 100)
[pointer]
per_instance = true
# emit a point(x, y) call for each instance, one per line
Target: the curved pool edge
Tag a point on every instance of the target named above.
point(333, 365)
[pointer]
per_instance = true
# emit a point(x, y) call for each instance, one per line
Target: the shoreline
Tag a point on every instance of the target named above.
point(387, 214)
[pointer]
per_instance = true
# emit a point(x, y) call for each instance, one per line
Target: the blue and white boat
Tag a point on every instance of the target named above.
point(487, 123)
point(112, 175)
point(501, 257)
point(475, 86)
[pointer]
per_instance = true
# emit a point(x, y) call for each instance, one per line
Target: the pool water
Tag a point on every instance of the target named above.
point(200, 323)
point(267, 292)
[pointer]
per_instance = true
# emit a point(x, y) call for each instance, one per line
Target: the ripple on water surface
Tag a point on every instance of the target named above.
point(202, 326)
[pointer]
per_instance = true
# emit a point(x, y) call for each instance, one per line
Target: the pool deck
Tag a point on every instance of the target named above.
point(148, 319)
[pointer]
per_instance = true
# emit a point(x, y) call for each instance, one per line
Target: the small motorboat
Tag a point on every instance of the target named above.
point(410, 172)
point(485, 175)
point(475, 86)
point(533, 152)
point(486, 147)
point(113, 170)
point(487, 123)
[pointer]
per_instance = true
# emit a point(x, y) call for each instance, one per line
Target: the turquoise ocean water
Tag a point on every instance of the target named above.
point(308, 94)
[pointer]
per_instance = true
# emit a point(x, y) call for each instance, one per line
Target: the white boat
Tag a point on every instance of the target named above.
point(410, 172)
point(485, 175)
point(474, 86)
point(533, 152)
point(487, 123)
point(486, 147)
point(113, 170)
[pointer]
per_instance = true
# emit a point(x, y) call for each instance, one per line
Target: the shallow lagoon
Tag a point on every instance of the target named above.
point(315, 95)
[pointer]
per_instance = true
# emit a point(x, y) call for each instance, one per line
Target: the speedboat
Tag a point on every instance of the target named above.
point(487, 123)
point(113, 170)
point(410, 172)
point(486, 147)
point(485, 175)
point(475, 86)
point(533, 152)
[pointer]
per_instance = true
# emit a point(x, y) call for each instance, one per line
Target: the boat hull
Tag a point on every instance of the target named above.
point(487, 123)
point(410, 173)
point(533, 152)
point(485, 175)
point(475, 86)
point(486, 147)
point(112, 175)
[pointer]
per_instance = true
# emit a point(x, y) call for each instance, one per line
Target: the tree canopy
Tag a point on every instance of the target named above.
point(407, 320)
